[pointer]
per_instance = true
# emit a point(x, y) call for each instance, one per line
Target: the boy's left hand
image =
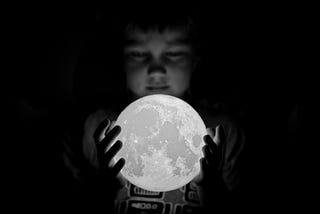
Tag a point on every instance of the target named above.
point(210, 172)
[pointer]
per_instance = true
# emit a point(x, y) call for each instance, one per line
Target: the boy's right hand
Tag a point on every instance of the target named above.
point(109, 171)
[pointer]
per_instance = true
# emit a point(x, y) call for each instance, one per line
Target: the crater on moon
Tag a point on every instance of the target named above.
point(162, 142)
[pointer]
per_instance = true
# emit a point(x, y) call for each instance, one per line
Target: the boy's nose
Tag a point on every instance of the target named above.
point(156, 69)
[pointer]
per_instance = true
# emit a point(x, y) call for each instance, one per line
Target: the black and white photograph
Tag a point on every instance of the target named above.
point(153, 109)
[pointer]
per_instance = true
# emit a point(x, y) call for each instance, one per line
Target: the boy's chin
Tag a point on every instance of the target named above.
point(137, 96)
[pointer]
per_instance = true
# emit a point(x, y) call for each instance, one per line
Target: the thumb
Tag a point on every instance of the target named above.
point(219, 135)
point(110, 127)
point(211, 132)
point(98, 134)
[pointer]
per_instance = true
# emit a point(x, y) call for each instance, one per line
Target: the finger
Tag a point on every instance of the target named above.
point(211, 132)
point(220, 135)
point(212, 159)
point(100, 130)
point(204, 169)
point(111, 126)
point(207, 154)
point(115, 148)
point(117, 167)
point(209, 141)
point(197, 178)
point(109, 137)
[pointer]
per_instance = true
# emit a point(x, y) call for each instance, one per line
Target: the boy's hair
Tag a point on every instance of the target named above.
point(168, 20)
point(114, 31)
point(116, 28)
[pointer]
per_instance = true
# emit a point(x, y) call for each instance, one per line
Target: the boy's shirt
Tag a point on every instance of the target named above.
point(132, 199)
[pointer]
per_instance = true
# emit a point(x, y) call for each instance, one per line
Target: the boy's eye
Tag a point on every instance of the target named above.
point(138, 55)
point(174, 55)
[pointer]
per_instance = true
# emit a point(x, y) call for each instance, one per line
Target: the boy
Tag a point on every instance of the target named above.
point(160, 56)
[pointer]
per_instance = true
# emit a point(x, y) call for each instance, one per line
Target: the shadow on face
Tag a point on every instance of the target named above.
point(158, 62)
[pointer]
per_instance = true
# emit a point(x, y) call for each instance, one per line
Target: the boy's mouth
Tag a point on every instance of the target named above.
point(157, 88)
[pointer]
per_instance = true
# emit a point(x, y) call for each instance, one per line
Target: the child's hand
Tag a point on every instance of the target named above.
point(210, 174)
point(109, 171)
point(211, 187)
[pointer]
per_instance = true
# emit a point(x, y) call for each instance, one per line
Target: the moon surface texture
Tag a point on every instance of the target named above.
point(162, 142)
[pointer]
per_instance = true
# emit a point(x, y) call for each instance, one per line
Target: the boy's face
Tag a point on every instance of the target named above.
point(158, 63)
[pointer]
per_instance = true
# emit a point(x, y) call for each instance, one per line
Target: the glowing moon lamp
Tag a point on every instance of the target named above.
point(162, 142)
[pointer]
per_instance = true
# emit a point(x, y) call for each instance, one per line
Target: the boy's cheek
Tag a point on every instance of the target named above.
point(135, 86)
point(135, 78)
point(182, 61)
point(183, 65)
point(134, 68)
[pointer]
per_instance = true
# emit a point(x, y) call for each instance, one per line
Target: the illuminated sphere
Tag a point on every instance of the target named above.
point(162, 142)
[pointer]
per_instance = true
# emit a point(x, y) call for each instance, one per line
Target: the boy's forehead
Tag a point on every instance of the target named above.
point(174, 37)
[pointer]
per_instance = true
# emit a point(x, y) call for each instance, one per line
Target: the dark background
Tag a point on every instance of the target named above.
point(62, 64)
